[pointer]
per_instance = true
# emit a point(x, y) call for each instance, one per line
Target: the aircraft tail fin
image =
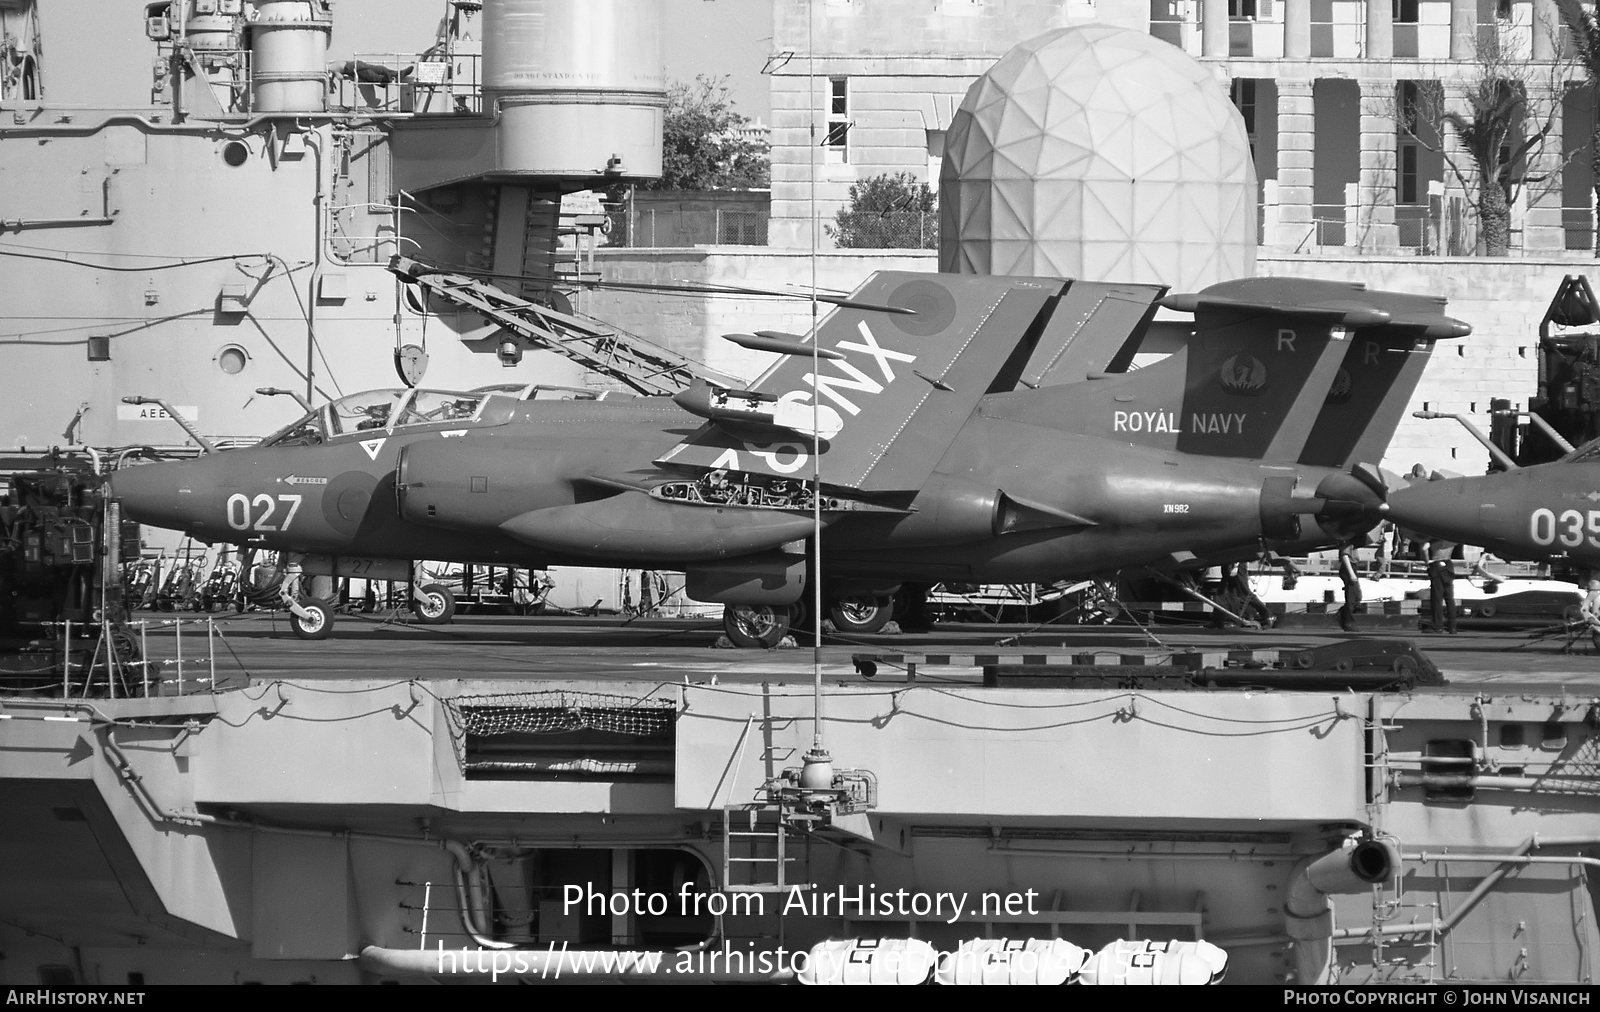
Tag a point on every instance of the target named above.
point(905, 362)
point(1263, 360)
point(1369, 397)
point(1093, 326)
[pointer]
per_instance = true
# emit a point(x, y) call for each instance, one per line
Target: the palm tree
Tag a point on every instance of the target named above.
point(1507, 113)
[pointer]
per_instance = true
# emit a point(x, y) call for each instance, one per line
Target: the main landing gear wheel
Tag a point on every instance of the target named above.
point(755, 625)
point(318, 620)
point(862, 614)
point(436, 606)
point(800, 616)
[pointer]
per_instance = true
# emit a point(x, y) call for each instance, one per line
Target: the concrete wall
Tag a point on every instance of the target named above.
point(891, 114)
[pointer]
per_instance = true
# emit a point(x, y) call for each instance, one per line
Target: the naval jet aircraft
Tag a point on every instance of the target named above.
point(1538, 513)
point(1541, 512)
point(965, 428)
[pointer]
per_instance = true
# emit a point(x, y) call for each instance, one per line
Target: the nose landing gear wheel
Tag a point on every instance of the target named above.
point(436, 606)
point(318, 621)
point(755, 625)
point(862, 614)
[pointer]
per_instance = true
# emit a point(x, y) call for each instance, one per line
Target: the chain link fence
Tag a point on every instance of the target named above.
point(1447, 226)
point(1329, 225)
point(1413, 228)
point(649, 227)
point(1579, 225)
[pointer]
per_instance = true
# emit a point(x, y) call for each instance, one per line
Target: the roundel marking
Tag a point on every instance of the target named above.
point(933, 304)
point(346, 499)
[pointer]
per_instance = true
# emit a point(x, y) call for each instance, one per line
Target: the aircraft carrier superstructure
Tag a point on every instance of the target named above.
point(235, 234)
point(488, 803)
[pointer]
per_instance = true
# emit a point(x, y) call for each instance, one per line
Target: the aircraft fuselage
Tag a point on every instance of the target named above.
point(1541, 512)
point(566, 483)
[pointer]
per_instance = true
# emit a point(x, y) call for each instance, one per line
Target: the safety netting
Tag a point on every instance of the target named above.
point(481, 719)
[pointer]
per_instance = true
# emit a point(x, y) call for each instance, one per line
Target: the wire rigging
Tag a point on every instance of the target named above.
point(141, 268)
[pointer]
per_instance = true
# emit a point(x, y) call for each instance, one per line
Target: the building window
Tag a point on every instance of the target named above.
point(1416, 105)
point(1242, 10)
point(1502, 10)
point(1408, 172)
point(1244, 99)
point(935, 156)
point(1243, 92)
point(1408, 98)
point(837, 143)
point(1408, 109)
point(1405, 12)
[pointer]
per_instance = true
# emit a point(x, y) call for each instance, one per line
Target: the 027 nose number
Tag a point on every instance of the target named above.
point(1545, 528)
point(245, 514)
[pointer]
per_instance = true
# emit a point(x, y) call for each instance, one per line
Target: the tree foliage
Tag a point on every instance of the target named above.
point(1505, 111)
point(701, 148)
point(887, 212)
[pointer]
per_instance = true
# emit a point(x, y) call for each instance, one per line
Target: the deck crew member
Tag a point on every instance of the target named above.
point(1236, 580)
point(1442, 584)
point(1352, 586)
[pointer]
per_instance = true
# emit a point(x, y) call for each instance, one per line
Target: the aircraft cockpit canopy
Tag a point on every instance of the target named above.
point(387, 410)
point(374, 409)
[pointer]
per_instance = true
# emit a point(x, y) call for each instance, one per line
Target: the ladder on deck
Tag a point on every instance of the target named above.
point(756, 859)
point(640, 365)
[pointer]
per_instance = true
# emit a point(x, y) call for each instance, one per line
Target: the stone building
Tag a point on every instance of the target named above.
point(864, 87)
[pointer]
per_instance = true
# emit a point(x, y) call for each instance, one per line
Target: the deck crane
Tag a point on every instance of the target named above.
point(641, 365)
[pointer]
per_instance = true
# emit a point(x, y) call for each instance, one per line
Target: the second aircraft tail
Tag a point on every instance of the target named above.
point(1276, 369)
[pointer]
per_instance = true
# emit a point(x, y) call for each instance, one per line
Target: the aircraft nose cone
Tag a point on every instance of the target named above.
point(154, 494)
point(1449, 508)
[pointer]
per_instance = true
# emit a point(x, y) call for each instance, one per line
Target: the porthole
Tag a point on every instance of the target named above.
point(232, 359)
point(236, 153)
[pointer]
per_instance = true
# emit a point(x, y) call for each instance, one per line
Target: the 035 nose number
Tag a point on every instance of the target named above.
point(259, 514)
point(1545, 528)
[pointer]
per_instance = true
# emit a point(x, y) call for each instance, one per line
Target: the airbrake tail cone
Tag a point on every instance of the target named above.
point(1351, 504)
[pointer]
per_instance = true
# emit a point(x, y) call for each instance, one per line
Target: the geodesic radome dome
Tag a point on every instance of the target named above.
point(1100, 153)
